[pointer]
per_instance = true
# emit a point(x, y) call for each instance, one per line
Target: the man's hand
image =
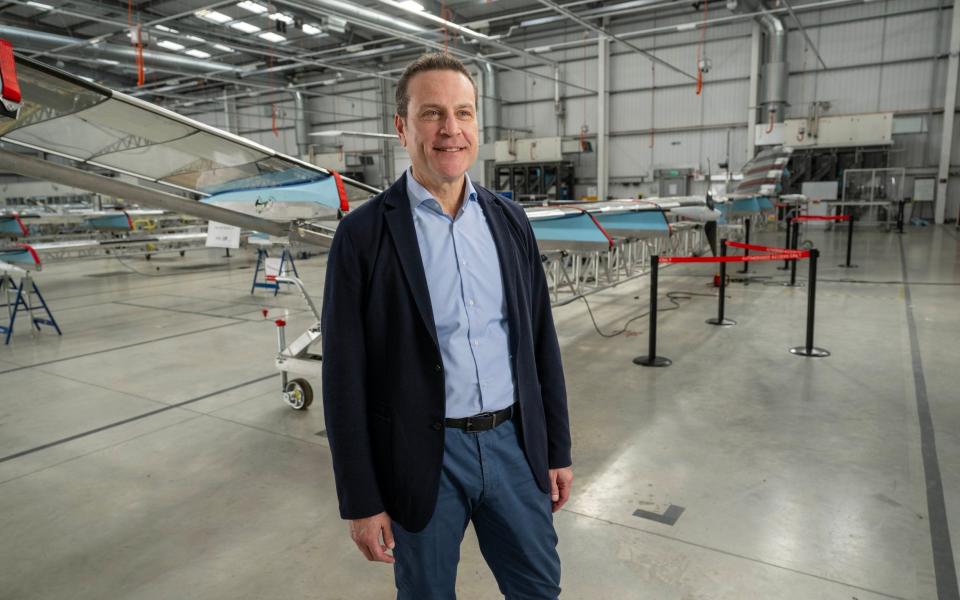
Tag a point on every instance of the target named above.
point(374, 537)
point(561, 481)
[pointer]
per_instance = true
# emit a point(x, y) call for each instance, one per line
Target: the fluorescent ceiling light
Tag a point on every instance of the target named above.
point(107, 61)
point(281, 17)
point(245, 27)
point(196, 39)
point(272, 37)
point(254, 7)
point(198, 53)
point(212, 15)
point(311, 29)
point(379, 50)
point(165, 28)
point(337, 132)
point(416, 8)
point(40, 5)
point(224, 48)
point(170, 45)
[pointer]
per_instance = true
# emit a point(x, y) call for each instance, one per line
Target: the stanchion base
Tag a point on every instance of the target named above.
point(657, 361)
point(814, 352)
point(783, 268)
point(721, 322)
point(849, 266)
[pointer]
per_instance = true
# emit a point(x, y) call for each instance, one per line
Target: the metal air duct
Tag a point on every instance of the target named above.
point(491, 104)
point(774, 70)
point(46, 41)
point(300, 124)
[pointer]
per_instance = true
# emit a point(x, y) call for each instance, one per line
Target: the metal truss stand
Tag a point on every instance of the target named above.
point(18, 298)
point(272, 282)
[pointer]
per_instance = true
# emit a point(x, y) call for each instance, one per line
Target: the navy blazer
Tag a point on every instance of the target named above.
point(383, 379)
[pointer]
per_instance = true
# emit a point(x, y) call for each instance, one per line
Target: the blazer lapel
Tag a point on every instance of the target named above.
point(507, 256)
point(399, 218)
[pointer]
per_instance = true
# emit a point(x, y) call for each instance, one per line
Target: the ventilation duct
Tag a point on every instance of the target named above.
point(491, 104)
point(774, 70)
point(46, 41)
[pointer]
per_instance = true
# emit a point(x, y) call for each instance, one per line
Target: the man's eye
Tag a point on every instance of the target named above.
point(432, 114)
point(466, 114)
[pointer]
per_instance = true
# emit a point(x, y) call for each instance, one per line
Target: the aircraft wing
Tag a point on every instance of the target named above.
point(68, 116)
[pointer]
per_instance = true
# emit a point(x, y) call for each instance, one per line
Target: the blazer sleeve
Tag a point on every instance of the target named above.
point(344, 380)
point(553, 389)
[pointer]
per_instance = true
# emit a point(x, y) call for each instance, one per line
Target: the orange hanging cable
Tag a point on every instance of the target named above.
point(701, 47)
point(141, 71)
point(273, 120)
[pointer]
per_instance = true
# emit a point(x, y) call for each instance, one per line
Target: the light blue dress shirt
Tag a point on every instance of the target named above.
point(466, 293)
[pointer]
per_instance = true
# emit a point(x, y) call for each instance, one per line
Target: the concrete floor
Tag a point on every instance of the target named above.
point(147, 453)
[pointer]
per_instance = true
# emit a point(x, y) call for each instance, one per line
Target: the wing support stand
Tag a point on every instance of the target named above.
point(18, 299)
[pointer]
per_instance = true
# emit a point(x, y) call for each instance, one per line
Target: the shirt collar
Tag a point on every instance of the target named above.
point(419, 194)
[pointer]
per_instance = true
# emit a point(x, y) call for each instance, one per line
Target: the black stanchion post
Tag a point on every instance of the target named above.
point(809, 349)
point(793, 261)
point(720, 320)
point(847, 265)
point(651, 359)
point(746, 240)
point(900, 216)
point(786, 243)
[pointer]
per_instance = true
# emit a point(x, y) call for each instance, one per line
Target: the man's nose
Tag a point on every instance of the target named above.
point(450, 126)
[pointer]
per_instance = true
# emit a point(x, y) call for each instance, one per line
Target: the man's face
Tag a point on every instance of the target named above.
point(440, 130)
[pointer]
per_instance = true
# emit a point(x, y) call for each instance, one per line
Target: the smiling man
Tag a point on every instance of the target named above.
point(443, 389)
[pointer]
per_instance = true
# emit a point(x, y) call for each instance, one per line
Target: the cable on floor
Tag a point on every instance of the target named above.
point(673, 297)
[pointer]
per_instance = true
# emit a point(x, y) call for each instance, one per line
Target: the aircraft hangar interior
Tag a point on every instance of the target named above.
point(742, 216)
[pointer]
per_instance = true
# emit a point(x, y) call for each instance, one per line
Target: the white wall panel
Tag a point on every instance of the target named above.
point(906, 86)
point(909, 36)
point(630, 111)
point(677, 107)
point(725, 102)
point(850, 43)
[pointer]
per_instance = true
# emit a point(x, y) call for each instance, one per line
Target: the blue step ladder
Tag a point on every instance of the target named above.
point(19, 298)
point(270, 281)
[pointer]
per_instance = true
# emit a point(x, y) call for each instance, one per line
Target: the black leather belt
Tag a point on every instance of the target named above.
point(482, 421)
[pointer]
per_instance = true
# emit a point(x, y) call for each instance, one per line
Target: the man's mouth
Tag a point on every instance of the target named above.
point(451, 149)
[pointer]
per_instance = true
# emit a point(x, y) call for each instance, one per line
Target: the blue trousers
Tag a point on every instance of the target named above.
point(486, 479)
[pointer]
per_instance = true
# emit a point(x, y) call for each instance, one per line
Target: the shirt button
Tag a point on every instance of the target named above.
point(471, 302)
point(437, 367)
point(476, 343)
point(437, 426)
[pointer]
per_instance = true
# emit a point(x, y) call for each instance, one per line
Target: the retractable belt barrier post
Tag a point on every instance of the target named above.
point(900, 217)
point(746, 240)
point(809, 349)
point(847, 264)
point(848, 218)
point(651, 359)
point(768, 254)
point(786, 242)
point(795, 242)
point(720, 320)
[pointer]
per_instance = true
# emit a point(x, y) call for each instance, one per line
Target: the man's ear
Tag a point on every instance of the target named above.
point(401, 129)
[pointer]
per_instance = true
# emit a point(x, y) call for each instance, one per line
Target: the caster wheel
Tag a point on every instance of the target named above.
point(298, 394)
